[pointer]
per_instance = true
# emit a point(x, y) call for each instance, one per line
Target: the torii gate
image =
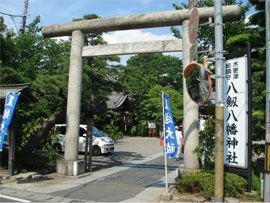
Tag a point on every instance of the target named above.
point(71, 165)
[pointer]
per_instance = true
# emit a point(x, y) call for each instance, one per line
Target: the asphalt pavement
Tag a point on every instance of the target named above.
point(133, 173)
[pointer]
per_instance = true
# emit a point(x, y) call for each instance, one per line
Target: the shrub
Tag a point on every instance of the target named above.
point(48, 146)
point(133, 130)
point(235, 185)
point(205, 151)
point(203, 182)
point(112, 131)
point(196, 183)
point(255, 183)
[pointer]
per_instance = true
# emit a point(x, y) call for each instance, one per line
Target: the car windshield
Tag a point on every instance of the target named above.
point(97, 133)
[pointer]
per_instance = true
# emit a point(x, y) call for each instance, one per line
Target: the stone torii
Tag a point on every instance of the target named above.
point(71, 165)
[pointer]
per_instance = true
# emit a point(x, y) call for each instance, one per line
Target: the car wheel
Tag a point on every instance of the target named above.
point(96, 151)
point(57, 147)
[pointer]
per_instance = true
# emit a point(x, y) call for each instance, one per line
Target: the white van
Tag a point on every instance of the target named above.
point(102, 144)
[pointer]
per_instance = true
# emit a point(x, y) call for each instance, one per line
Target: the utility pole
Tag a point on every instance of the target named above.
point(266, 187)
point(219, 131)
point(22, 30)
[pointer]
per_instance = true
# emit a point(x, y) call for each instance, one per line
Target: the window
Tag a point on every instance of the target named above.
point(82, 131)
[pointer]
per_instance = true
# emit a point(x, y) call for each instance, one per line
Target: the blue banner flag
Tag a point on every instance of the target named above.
point(11, 101)
point(170, 136)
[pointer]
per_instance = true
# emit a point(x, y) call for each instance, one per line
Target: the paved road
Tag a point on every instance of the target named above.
point(123, 184)
point(136, 164)
point(127, 150)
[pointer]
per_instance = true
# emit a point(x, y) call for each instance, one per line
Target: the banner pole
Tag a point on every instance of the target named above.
point(164, 145)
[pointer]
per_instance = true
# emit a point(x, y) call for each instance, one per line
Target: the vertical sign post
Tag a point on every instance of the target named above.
point(219, 130)
point(266, 193)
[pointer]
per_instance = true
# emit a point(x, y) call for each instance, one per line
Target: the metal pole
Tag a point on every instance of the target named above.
point(88, 144)
point(90, 124)
point(266, 193)
point(219, 143)
point(249, 118)
point(164, 145)
point(11, 151)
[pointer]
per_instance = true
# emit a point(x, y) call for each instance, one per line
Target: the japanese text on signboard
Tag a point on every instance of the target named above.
point(235, 112)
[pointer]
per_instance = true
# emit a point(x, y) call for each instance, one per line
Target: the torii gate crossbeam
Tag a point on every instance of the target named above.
point(133, 48)
point(138, 21)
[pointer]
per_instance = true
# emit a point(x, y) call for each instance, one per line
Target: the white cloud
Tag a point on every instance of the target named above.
point(58, 39)
point(133, 36)
point(247, 20)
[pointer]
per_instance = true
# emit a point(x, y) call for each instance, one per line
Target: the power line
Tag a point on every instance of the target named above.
point(14, 23)
point(12, 17)
point(15, 16)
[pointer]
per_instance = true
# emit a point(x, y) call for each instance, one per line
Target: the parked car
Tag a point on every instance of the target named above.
point(102, 144)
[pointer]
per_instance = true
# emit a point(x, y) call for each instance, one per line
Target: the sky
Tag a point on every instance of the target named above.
point(63, 11)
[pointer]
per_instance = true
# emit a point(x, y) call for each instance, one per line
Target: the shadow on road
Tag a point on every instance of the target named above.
point(114, 159)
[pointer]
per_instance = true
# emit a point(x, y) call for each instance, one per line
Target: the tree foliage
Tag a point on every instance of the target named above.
point(254, 33)
point(30, 58)
point(44, 62)
point(144, 78)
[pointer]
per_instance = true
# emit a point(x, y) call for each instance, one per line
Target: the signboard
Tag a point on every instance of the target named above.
point(193, 25)
point(192, 3)
point(235, 112)
point(152, 125)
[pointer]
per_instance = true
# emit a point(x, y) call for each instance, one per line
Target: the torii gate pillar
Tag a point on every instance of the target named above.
point(71, 165)
point(191, 110)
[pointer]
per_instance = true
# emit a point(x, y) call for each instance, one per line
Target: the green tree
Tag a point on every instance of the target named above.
point(254, 33)
point(96, 69)
point(45, 62)
point(205, 35)
point(142, 76)
point(152, 105)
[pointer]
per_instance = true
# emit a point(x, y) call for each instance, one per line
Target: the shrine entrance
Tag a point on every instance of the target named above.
point(71, 165)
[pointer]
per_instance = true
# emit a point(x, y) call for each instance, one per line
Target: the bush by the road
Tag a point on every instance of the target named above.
point(204, 182)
